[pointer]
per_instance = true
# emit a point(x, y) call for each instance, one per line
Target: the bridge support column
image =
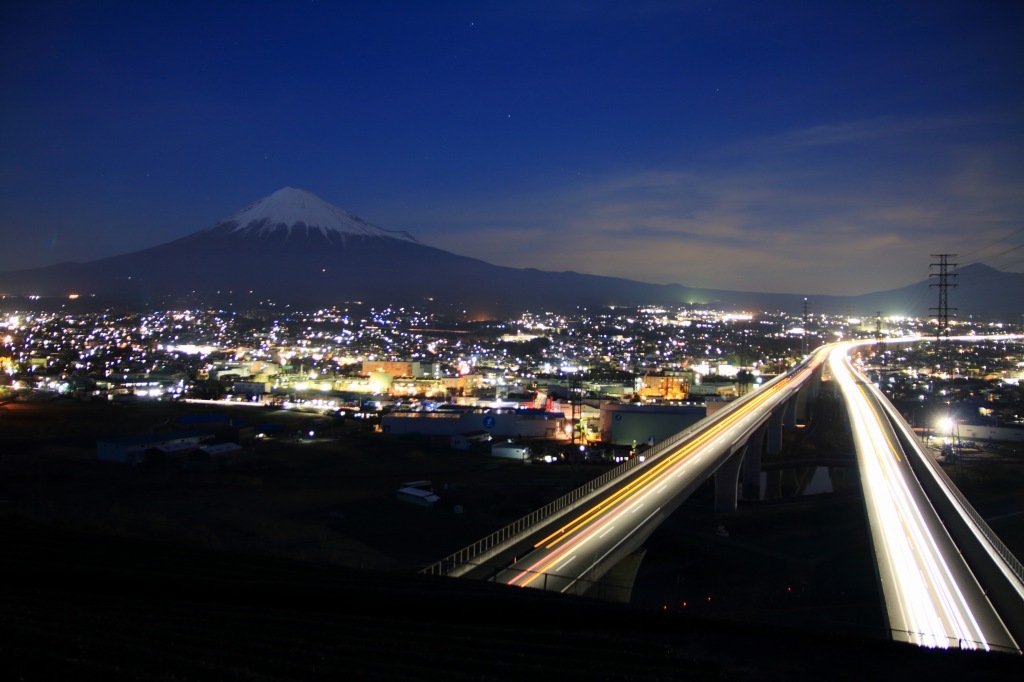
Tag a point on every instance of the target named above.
point(773, 444)
point(800, 409)
point(814, 386)
point(727, 479)
point(750, 487)
point(789, 413)
point(807, 398)
point(773, 485)
point(617, 584)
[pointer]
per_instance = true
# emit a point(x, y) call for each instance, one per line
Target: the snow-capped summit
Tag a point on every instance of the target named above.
point(289, 211)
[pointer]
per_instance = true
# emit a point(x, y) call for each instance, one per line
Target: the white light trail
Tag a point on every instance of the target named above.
point(926, 603)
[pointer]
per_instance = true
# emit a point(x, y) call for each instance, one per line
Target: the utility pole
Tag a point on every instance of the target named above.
point(806, 324)
point(880, 344)
point(576, 401)
point(944, 284)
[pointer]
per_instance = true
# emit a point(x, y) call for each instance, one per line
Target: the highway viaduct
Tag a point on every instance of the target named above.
point(592, 538)
point(728, 445)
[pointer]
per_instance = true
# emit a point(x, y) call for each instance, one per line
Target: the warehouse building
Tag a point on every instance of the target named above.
point(148, 447)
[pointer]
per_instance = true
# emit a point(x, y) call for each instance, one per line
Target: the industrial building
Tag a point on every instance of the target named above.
point(146, 447)
point(499, 422)
point(632, 424)
point(509, 450)
point(400, 368)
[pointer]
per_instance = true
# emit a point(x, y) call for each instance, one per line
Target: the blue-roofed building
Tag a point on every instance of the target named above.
point(140, 448)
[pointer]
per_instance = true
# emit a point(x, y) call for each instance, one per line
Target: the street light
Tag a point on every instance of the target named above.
point(945, 426)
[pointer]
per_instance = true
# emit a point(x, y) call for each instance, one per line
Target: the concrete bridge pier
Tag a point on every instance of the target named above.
point(727, 481)
point(800, 411)
point(773, 434)
point(773, 446)
point(750, 472)
point(807, 398)
point(773, 484)
point(814, 386)
point(617, 584)
point(789, 415)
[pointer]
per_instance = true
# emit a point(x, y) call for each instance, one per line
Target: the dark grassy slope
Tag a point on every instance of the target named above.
point(111, 608)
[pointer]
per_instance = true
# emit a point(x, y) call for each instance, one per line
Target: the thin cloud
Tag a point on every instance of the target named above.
point(877, 129)
point(811, 221)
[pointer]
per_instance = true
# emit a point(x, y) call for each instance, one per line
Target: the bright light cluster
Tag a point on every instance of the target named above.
point(924, 597)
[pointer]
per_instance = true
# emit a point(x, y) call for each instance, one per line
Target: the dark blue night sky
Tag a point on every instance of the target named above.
point(808, 147)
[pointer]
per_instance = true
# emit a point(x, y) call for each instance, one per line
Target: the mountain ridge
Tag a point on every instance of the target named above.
point(296, 249)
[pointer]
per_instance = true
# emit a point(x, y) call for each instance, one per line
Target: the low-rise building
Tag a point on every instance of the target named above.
point(213, 457)
point(499, 423)
point(418, 492)
point(399, 368)
point(507, 450)
point(633, 424)
point(251, 388)
point(140, 448)
point(473, 440)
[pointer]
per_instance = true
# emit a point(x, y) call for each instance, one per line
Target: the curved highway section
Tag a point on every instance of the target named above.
point(931, 596)
point(571, 556)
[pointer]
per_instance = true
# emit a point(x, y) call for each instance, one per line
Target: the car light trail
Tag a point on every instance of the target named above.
point(597, 521)
point(931, 597)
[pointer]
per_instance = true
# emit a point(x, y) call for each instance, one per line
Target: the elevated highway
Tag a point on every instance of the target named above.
point(574, 542)
point(945, 578)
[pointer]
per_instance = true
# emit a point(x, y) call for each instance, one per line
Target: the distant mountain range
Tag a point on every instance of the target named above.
point(293, 248)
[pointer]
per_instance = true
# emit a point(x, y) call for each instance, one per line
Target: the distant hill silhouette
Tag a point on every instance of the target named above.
point(293, 248)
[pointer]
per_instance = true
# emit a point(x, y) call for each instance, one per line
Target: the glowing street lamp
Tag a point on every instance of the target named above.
point(945, 426)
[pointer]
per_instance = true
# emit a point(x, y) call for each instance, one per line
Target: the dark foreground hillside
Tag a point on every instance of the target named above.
point(76, 604)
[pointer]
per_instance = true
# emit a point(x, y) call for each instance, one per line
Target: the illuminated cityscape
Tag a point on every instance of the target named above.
point(479, 341)
point(348, 358)
point(414, 409)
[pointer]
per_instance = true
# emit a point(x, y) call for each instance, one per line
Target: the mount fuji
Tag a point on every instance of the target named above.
point(292, 248)
point(295, 214)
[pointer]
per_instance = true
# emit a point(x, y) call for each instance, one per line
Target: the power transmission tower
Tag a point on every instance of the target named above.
point(944, 284)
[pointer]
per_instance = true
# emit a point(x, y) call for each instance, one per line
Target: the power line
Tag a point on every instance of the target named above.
point(988, 246)
point(998, 273)
point(1012, 263)
point(994, 256)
